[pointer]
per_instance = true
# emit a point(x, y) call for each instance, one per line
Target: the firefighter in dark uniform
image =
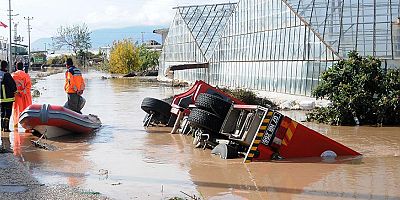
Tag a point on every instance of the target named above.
point(7, 91)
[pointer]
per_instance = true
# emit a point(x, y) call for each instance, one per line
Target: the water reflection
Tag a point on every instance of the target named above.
point(63, 165)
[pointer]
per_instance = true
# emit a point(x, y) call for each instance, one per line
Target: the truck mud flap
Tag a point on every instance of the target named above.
point(281, 137)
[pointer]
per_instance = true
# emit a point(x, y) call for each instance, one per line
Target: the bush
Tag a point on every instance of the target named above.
point(360, 92)
point(60, 60)
point(389, 103)
point(148, 58)
point(124, 57)
point(249, 97)
point(103, 66)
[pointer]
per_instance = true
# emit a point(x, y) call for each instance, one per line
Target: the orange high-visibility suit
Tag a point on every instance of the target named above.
point(74, 82)
point(23, 97)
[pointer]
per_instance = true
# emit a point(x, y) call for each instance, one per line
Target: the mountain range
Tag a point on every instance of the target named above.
point(105, 37)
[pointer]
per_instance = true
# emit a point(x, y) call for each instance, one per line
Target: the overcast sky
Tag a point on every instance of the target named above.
point(50, 14)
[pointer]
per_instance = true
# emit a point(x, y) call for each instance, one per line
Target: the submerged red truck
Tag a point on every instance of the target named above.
point(233, 129)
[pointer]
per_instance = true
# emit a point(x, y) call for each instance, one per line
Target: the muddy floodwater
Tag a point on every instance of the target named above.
point(125, 161)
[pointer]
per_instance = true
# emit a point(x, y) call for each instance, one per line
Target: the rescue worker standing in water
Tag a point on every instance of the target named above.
point(74, 86)
point(8, 89)
point(23, 97)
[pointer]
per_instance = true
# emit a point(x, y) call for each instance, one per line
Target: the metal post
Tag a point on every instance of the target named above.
point(10, 63)
point(29, 41)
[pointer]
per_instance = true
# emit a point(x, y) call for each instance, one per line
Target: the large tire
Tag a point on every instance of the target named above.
point(168, 100)
point(213, 103)
point(205, 120)
point(151, 105)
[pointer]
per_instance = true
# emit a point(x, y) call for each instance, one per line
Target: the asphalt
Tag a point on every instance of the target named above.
point(16, 182)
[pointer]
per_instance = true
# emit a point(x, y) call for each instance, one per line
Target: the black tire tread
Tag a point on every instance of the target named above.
point(213, 103)
point(150, 105)
point(205, 120)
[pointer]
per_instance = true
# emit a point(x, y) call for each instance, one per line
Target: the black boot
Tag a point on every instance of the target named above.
point(2, 124)
point(6, 127)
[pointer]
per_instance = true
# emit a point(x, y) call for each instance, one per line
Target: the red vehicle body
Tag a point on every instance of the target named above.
point(268, 134)
point(182, 101)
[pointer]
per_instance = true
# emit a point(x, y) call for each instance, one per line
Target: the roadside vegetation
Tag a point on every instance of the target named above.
point(60, 60)
point(148, 59)
point(361, 92)
point(129, 58)
point(249, 97)
point(91, 60)
point(124, 57)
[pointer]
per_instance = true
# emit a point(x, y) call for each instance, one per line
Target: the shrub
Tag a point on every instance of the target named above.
point(124, 57)
point(389, 103)
point(360, 92)
point(60, 60)
point(148, 58)
point(249, 97)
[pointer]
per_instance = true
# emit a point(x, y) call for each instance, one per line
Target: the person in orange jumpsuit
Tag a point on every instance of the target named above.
point(74, 87)
point(23, 97)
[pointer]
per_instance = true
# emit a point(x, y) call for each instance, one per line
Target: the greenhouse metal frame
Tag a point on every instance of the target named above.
point(277, 45)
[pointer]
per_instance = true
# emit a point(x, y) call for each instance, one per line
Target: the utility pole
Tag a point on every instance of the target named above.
point(142, 37)
point(10, 59)
point(9, 23)
point(29, 41)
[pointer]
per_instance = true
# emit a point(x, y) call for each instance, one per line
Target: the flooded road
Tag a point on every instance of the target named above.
point(125, 161)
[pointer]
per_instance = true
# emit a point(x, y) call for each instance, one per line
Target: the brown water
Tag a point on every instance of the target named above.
point(125, 161)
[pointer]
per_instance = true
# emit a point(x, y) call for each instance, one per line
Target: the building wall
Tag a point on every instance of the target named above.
point(3, 50)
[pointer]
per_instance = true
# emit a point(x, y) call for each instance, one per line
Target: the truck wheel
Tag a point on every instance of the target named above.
point(213, 103)
point(206, 120)
point(150, 105)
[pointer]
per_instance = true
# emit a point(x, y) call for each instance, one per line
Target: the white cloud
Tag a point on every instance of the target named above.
point(155, 12)
point(50, 14)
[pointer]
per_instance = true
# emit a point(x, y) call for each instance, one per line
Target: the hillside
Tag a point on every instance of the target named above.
point(104, 37)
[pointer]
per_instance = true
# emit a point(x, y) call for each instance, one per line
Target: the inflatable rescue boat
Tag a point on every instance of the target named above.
point(54, 121)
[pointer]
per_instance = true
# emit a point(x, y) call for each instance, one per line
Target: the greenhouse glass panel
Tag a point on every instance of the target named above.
point(279, 45)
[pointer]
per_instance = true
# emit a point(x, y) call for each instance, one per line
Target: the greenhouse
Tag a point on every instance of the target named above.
point(277, 45)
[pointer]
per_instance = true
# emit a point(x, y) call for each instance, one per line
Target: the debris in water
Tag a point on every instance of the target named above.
point(91, 192)
point(328, 154)
point(116, 183)
point(43, 145)
point(103, 172)
point(194, 197)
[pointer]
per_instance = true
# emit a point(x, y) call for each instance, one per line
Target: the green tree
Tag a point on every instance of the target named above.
point(389, 102)
point(124, 57)
point(76, 37)
point(360, 92)
point(148, 58)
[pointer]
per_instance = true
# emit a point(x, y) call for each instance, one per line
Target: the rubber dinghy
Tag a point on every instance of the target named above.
point(54, 121)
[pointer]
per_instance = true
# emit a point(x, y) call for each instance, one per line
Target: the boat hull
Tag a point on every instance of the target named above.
point(55, 121)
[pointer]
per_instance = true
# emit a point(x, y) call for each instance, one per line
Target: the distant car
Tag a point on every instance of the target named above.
point(37, 60)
